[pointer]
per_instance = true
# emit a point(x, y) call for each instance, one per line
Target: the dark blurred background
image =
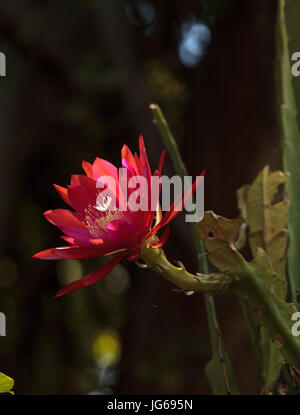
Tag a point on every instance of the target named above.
point(80, 77)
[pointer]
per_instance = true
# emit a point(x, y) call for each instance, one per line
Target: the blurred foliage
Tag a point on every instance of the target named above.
point(80, 77)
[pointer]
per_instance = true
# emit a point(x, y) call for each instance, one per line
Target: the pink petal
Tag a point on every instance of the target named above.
point(144, 163)
point(179, 203)
point(81, 197)
point(141, 142)
point(161, 161)
point(163, 239)
point(78, 242)
point(128, 166)
point(137, 162)
point(93, 277)
point(120, 232)
point(64, 217)
point(68, 239)
point(69, 223)
point(75, 179)
point(104, 168)
point(85, 181)
point(150, 214)
point(63, 193)
point(88, 168)
point(72, 252)
point(126, 154)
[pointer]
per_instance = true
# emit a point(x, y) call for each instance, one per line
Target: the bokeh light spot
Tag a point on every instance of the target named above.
point(106, 348)
point(195, 37)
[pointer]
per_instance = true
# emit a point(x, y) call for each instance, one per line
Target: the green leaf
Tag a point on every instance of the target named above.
point(267, 222)
point(219, 235)
point(256, 283)
point(6, 383)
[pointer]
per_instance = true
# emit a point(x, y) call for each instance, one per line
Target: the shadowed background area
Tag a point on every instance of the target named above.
point(80, 77)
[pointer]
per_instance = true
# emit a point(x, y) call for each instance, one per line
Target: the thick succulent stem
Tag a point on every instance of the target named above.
point(289, 35)
point(156, 259)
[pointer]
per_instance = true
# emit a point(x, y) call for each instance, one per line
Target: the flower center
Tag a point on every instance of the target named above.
point(99, 216)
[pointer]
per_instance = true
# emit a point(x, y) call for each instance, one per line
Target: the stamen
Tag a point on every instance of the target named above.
point(97, 220)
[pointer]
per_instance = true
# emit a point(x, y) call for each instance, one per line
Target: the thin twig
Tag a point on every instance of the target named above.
point(223, 363)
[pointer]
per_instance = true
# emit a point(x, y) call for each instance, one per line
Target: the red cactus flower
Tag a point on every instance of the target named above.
point(94, 231)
